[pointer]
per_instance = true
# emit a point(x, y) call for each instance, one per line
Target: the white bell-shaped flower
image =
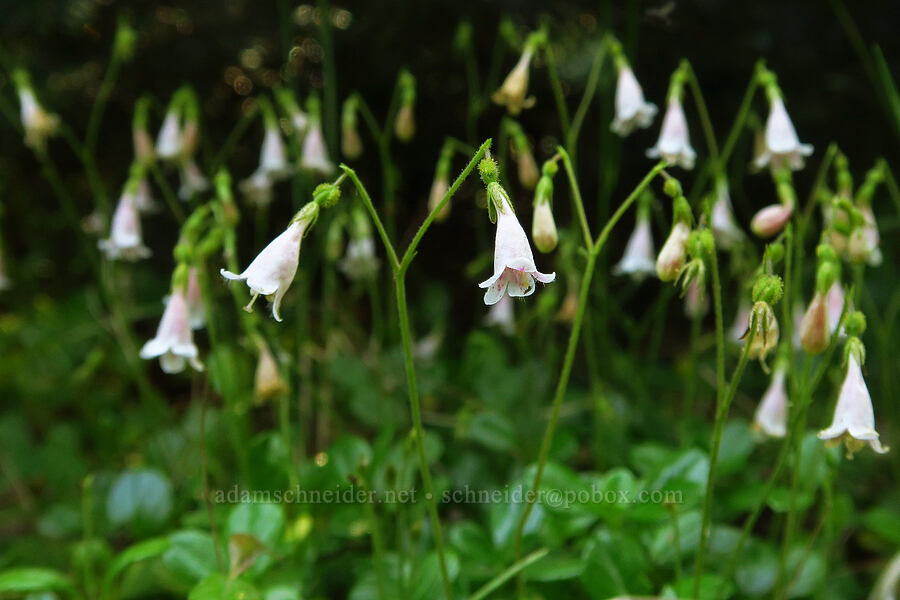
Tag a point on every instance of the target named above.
point(359, 261)
point(771, 414)
point(273, 160)
point(37, 122)
point(512, 94)
point(194, 298)
point(673, 255)
point(632, 111)
point(725, 228)
point(315, 154)
point(639, 259)
point(674, 143)
point(514, 268)
point(193, 181)
point(125, 240)
point(174, 341)
point(502, 315)
point(783, 147)
point(854, 417)
point(169, 145)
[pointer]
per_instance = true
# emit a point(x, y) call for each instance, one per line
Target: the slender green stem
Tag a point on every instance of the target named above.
point(330, 74)
point(590, 88)
point(558, 96)
point(576, 197)
point(563, 382)
point(234, 136)
point(517, 567)
point(163, 184)
point(106, 89)
point(705, 121)
point(739, 121)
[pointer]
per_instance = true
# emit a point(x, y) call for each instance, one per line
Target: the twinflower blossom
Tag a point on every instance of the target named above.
point(174, 341)
point(725, 228)
point(193, 181)
point(864, 242)
point(512, 94)
point(854, 417)
point(632, 111)
point(273, 166)
point(272, 271)
point(502, 315)
point(267, 382)
point(673, 255)
point(514, 268)
point(194, 299)
point(674, 144)
point(783, 147)
point(815, 332)
point(37, 122)
point(639, 259)
point(771, 414)
point(125, 240)
point(359, 261)
point(168, 142)
point(315, 155)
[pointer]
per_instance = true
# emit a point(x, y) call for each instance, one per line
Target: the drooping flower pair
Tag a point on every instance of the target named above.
point(184, 312)
point(125, 240)
point(178, 139)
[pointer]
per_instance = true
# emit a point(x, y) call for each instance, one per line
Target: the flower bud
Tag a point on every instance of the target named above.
point(855, 323)
point(326, 195)
point(768, 289)
point(672, 257)
point(771, 219)
point(815, 333)
point(268, 383)
point(696, 302)
point(858, 246)
point(527, 168)
point(543, 228)
point(405, 125)
point(672, 187)
point(763, 331)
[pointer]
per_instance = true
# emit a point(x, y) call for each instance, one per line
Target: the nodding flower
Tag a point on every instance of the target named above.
point(724, 225)
point(315, 155)
point(674, 143)
point(194, 298)
point(783, 147)
point(514, 268)
point(174, 341)
point(169, 143)
point(854, 417)
point(512, 94)
point(763, 331)
point(771, 414)
point(639, 259)
point(268, 382)
point(125, 240)
point(273, 166)
point(632, 111)
point(193, 181)
point(272, 271)
point(815, 330)
point(37, 122)
point(673, 255)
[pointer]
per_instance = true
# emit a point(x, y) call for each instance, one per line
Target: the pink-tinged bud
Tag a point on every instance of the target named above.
point(351, 143)
point(814, 331)
point(674, 144)
point(771, 219)
point(783, 147)
point(144, 152)
point(835, 306)
point(439, 188)
point(543, 228)
point(764, 331)
point(771, 414)
point(528, 169)
point(512, 94)
point(268, 382)
point(174, 341)
point(194, 299)
point(854, 417)
point(405, 125)
point(632, 111)
point(673, 255)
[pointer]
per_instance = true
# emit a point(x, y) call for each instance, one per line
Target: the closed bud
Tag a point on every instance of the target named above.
point(763, 332)
point(527, 168)
point(351, 143)
point(768, 289)
point(405, 125)
point(268, 383)
point(771, 219)
point(672, 187)
point(826, 274)
point(543, 228)
point(855, 323)
point(673, 255)
point(815, 333)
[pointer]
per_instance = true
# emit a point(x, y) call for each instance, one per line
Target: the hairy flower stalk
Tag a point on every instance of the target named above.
point(514, 268)
point(783, 147)
point(639, 259)
point(513, 93)
point(272, 271)
point(39, 125)
point(854, 417)
point(632, 111)
point(674, 143)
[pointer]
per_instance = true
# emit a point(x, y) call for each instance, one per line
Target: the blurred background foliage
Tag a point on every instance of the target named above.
point(71, 415)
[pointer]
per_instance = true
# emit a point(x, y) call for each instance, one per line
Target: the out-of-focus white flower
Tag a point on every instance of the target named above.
point(192, 180)
point(405, 123)
point(315, 155)
point(771, 414)
point(514, 268)
point(37, 122)
point(854, 417)
point(639, 259)
point(439, 188)
point(169, 143)
point(512, 94)
point(674, 143)
point(268, 382)
point(543, 227)
point(783, 147)
point(815, 333)
point(359, 261)
point(502, 316)
point(174, 341)
point(143, 197)
point(835, 303)
point(672, 257)
point(632, 111)
point(125, 239)
point(864, 242)
point(194, 299)
point(696, 303)
point(272, 271)
point(273, 166)
point(771, 219)
point(144, 153)
point(257, 188)
point(724, 225)
point(527, 168)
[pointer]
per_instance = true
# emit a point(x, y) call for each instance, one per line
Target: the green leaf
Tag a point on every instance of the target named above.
point(811, 575)
point(138, 552)
point(614, 565)
point(217, 587)
point(33, 579)
point(737, 445)
point(427, 583)
point(141, 498)
point(191, 556)
point(711, 587)
point(757, 570)
point(265, 522)
point(559, 567)
point(884, 523)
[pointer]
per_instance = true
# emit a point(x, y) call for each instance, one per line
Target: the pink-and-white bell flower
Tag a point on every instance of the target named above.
point(771, 219)
point(632, 111)
point(257, 188)
point(273, 160)
point(194, 299)
point(37, 122)
point(834, 300)
point(771, 414)
point(315, 155)
point(639, 259)
point(783, 147)
point(143, 197)
point(502, 315)
point(674, 143)
point(514, 268)
point(512, 94)
point(169, 145)
point(854, 417)
point(174, 341)
point(673, 255)
point(125, 240)
point(272, 271)
point(193, 181)
point(725, 228)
